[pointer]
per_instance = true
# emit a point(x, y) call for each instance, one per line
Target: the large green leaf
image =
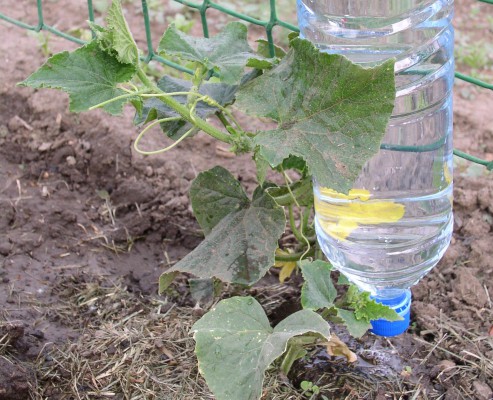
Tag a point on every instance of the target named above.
point(241, 234)
point(153, 108)
point(215, 194)
point(236, 336)
point(331, 112)
point(89, 75)
point(318, 291)
point(263, 167)
point(227, 52)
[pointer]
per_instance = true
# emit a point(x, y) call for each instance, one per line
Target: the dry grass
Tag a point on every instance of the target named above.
point(134, 347)
point(468, 354)
point(145, 356)
point(130, 348)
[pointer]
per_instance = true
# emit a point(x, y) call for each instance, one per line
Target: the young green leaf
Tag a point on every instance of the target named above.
point(306, 385)
point(103, 37)
point(89, 75)
point(260, 63)
point(367, 309)
point(263, 59)
point(293, 162)
point(215, 194)
point(263, 49)
point(123, 41)
point(241, 234)
point(331, 112)
point(356, 327)
point(154, 108)
point(292, 36)
point(318, 291)
point(227, 52)
point(236, 336)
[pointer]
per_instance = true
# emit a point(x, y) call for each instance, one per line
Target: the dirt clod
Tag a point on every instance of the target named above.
point(469, 288)
point(14, 381)
point(482, 391)
point(133, 192)
point(12, 332)
point(426, 314)
point(7, 216)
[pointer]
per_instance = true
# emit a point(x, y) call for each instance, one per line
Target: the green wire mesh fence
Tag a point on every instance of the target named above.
point(202, 8)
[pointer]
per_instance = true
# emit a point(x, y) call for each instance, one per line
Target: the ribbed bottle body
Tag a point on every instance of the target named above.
point(397, 222)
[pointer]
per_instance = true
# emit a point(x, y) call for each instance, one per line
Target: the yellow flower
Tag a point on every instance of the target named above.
point(340, 219)
point(287, 267)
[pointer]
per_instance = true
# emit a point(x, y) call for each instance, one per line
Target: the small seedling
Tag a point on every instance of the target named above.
point(309, 389)
point(43, 39)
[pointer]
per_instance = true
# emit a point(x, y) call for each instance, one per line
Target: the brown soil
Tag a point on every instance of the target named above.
point(81, 213)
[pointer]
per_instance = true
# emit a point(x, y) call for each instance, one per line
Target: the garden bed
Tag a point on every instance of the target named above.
point(87, 226)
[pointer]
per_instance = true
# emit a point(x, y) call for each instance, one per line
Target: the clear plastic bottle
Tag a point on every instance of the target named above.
point(397, 222)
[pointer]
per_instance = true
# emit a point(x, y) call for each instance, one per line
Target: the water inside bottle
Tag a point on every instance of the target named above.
point(397, 222)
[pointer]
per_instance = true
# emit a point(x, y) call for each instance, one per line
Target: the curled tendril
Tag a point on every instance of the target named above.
point(154, 123)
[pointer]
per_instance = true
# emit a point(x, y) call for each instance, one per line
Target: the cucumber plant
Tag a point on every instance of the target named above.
point(331, 116)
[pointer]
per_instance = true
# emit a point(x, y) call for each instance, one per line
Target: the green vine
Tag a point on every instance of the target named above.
point(305, 92)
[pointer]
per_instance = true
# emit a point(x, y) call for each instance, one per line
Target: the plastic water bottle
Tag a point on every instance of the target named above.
point(396, 223)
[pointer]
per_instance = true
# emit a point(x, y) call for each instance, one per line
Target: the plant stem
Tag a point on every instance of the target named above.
point(306, 218)
point(224, 121)
point(287, 199)
point(295, 351)
point(147, 82)
point(197, 79)
point(206, 99)
point(162, 94)
point(222, 109)
point(295, 256)
point(292, 223)
point(184, 111)
point(325, 313)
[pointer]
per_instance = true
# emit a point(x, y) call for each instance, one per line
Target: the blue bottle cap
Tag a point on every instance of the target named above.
point(402, 305)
